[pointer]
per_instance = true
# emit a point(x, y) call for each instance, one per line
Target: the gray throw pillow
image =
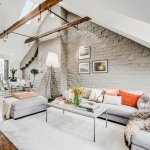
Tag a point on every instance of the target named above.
point(143, 103)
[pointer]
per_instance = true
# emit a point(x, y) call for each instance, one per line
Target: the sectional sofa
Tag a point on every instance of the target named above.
point(121, 114)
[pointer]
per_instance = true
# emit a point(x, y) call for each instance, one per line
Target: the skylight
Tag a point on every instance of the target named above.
point(29, 5)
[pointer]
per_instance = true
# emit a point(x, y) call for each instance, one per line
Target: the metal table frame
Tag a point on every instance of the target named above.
point(94, 118)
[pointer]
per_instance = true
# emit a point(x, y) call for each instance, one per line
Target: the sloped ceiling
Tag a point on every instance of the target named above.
point(14, 48)
point(129, 18)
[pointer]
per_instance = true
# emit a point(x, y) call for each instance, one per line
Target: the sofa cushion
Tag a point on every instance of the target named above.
point(141, 139)
point(27, 103)
point(122, 110)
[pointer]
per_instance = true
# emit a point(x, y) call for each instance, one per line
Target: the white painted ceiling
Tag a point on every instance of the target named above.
point(129, 18)
point(14, 48)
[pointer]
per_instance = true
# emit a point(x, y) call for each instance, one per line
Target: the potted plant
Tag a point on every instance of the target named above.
point(78, 92)
point(13, 71)
point(34, 72)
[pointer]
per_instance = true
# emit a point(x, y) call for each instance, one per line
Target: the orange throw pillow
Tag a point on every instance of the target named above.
point(129, 99)
point(25, 95)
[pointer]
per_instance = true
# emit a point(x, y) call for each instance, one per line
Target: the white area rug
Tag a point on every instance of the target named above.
point(63, 132)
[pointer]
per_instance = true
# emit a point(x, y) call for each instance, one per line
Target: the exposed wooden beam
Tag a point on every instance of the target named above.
point(63, 27)
point(60, 17)
point(35, 12)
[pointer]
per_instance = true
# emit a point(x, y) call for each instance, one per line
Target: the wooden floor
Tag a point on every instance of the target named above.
point(5, 144)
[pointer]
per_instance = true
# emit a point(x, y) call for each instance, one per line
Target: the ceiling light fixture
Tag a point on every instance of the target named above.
point(5, 38)
point(78, 30)
point(61, 3)
point(52, 15)
point(39, 19)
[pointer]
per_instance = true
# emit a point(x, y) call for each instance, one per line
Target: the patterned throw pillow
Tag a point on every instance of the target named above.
point(112, 92)
point(129, 99)
point(97, 95)
point(87, 93)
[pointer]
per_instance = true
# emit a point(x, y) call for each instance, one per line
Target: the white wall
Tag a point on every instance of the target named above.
point(47, 44)
point(14, 50)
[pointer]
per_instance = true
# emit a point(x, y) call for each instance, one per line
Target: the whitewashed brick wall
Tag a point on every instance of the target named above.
point(128, 61)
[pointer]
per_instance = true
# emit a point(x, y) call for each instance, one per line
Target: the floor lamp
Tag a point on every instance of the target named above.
point(52, 61)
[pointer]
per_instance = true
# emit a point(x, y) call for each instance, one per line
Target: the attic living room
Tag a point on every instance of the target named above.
point(74, 75)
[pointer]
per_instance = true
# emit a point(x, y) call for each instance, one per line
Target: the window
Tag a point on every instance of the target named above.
point(29, 5)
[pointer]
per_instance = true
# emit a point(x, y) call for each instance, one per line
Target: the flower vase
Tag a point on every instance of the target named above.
point(77, 99)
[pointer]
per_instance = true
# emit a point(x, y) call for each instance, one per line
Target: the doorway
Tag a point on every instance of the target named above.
point(4, 69)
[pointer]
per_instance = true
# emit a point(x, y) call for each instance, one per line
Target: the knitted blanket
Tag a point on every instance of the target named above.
point(139, 121)
point(7, 106)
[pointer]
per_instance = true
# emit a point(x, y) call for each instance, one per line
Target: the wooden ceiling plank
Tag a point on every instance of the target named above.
point(63, 27)
point(35, 12)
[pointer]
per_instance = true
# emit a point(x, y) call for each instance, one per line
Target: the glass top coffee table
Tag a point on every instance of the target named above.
point(76, 110)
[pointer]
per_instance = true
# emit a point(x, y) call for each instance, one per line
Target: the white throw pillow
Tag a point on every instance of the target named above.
point(96, 95)
point(114, 100)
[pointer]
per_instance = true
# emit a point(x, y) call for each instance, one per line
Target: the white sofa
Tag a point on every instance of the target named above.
point(121, 114)
point(117, 113)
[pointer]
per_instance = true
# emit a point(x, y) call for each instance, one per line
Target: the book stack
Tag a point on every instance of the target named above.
point(89, 106)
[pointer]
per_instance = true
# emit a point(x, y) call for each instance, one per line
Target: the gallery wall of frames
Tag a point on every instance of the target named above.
point(98, 66)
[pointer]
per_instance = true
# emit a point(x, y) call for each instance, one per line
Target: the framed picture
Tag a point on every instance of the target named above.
point(84, 52)
point(84, 68)
point(100, 66)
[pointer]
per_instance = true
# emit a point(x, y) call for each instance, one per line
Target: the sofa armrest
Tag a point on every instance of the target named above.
point(141, 139)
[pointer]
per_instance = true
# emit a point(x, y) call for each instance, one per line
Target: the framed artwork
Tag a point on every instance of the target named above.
point(84, 52)
point(100, 66)
point(84, 68)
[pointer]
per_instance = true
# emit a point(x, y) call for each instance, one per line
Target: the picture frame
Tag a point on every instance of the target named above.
point(84, 68)
point(84, 53)
point(100, 66)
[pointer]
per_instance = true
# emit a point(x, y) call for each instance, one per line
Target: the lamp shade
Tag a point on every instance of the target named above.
point(52, 60)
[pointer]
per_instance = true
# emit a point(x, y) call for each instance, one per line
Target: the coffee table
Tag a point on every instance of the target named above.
point(76, 110)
